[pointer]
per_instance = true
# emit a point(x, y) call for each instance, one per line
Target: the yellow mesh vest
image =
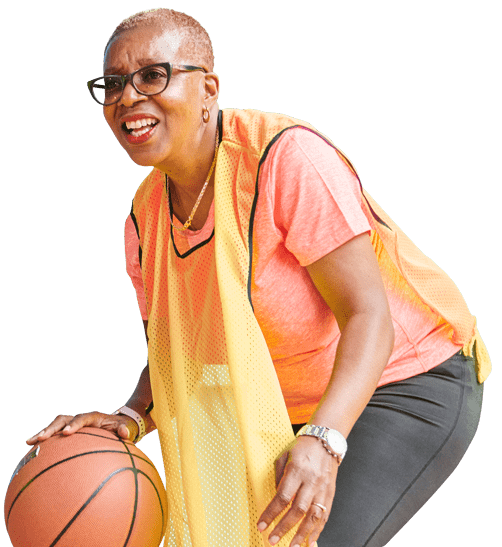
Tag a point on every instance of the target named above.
point(218, 407)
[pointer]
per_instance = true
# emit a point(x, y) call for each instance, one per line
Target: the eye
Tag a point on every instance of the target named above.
point(153, 75)
point(112, 84)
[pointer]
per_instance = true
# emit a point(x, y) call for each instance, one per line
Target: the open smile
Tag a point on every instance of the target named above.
point(138, 130)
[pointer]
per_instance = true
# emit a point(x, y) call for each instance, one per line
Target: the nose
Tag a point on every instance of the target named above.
point(131, 96)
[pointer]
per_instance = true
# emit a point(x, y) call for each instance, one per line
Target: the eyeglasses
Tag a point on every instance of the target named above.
point(149, 80)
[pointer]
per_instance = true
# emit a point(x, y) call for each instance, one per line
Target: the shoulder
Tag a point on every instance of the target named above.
point(301, 150)
point(254, 129)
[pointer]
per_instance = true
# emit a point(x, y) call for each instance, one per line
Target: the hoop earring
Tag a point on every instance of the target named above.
point(205, 115)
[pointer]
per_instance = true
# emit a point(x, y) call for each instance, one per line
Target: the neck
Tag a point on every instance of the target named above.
point(188, 172)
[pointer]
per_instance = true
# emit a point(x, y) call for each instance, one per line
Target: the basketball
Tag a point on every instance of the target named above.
point(89, 489)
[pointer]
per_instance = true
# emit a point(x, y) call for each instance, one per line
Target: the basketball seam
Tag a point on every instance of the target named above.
point(135, 496)
point(114, 439)
point(68, 459)
point(91, 497)
point(160, 502)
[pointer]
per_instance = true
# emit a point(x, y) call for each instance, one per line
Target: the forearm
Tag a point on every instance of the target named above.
point(363, 351)
point(141, 400)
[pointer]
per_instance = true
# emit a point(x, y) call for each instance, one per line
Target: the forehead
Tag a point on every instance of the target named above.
point(142, 46)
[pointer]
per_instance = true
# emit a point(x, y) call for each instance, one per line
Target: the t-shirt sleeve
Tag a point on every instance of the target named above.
point(132, 264)
point(316, 198)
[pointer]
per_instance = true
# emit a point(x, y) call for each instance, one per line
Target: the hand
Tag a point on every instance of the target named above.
point(305, 473)
point(123, 426)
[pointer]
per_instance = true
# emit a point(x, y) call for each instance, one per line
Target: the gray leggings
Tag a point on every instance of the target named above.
point(405, 444)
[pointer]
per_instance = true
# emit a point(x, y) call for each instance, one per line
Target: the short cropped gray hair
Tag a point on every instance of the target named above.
point(197, 47)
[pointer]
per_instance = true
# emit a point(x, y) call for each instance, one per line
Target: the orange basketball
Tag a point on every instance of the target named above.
point(89, 489)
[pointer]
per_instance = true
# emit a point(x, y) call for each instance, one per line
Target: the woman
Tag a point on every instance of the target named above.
point(327, 284)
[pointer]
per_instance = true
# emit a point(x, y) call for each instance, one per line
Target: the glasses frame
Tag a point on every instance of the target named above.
point(125, 78)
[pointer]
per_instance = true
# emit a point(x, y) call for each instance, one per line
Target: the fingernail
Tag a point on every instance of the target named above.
point(41, 433)
point(262, 526)
point(67, 428)
point(273, 540)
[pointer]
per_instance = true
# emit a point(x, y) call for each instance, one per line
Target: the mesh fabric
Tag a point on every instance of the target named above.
point(218, 407)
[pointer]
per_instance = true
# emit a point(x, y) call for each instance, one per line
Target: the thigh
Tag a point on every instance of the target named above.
point(408, 440)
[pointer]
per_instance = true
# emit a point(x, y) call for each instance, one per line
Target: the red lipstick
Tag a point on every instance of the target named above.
point(141, 138)
point(135, 117)
point(147, 130)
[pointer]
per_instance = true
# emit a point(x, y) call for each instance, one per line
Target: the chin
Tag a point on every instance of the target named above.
point(145, 157)
point(143, 161)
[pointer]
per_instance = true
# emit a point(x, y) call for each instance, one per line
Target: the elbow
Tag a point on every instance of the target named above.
point(383, 324)
point(390, 334)
point(376, 327)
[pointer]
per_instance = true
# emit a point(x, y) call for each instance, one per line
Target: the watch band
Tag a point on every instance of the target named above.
point(126, 411)
point(324, 434)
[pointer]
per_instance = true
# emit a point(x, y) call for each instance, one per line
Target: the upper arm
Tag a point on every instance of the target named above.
point(349, 280)
point(317, 207)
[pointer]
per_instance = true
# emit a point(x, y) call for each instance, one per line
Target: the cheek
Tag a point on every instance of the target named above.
point(109, 114)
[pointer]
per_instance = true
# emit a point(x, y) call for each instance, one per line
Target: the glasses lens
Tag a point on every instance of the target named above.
point(151, 80)
point(107, 90)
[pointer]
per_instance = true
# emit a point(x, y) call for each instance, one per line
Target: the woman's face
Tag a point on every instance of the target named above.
point(176, 112)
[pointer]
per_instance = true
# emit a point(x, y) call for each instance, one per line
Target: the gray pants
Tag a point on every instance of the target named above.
point(405, 444)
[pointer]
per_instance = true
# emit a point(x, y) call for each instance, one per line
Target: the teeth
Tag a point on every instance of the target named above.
point(140, 123)
point(140, 132)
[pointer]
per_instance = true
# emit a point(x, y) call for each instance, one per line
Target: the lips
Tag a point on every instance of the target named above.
point(141, 136)
point(138, 128)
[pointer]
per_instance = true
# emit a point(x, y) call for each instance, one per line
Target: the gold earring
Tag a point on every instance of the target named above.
point(205, 115)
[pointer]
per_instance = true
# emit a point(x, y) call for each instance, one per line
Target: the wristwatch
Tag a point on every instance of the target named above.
point(126, 411)
point(333, 441)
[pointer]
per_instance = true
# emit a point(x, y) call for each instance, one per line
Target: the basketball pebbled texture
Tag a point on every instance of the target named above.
point(89, 489)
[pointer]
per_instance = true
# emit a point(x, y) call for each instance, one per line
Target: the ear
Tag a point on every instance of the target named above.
point(211, 89)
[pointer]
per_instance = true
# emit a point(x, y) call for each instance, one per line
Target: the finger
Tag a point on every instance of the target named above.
point(286, 491)
point(312, 517)
point(88, 419)
point(123, 426)
point(54, 427)
point(128, 431)
point(301, 506)
point(314, 536)
point(315, 520)
point(311, 526)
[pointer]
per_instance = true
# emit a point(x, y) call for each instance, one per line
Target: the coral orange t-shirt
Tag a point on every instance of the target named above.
point(309, 204)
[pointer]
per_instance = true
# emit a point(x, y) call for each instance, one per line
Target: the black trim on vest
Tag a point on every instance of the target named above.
point(168, 193)
point(149, 408)
point(135, 222)
point(220, 126)
point(255, 200)
point(193, 249)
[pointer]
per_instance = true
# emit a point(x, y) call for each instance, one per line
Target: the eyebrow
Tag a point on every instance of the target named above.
point(141, 62)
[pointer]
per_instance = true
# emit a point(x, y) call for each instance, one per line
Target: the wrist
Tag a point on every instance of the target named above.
point(144, 410)
point(332, 440)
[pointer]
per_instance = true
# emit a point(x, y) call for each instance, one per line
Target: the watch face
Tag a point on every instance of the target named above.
point(337, 442)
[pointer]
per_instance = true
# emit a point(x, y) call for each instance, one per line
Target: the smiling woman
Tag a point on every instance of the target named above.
point(275, 293)
point(180, 132)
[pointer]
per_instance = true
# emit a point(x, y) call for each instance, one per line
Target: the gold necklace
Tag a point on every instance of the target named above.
point(189, 220)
